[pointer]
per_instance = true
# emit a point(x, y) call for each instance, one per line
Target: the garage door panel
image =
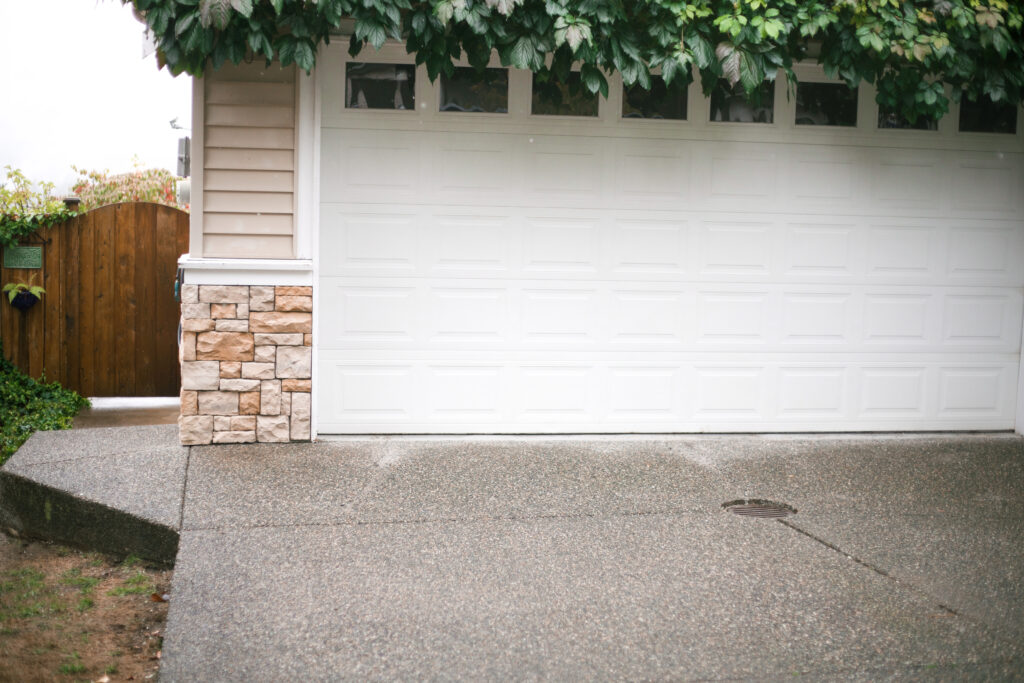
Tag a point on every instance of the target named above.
point(985, 254)
point(480, 393)
point(526, 242)
point(649, 247)
point(905, 251)
point(439, 314)
point(651, 172)
point(995, 188)
point(737, 248)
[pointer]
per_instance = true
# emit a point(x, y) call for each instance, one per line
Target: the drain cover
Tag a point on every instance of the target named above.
point(766, 509)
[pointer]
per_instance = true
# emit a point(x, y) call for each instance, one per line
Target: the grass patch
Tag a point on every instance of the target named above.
point(27, 405)
point(73, 665)
point(137, 584)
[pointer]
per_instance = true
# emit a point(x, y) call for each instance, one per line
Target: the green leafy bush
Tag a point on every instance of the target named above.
point(26, 207)
point(27, 405)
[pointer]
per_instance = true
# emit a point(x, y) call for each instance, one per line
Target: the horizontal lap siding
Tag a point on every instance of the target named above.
point(249, 162)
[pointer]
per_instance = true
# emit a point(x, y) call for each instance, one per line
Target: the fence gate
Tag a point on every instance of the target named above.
point(107, 325)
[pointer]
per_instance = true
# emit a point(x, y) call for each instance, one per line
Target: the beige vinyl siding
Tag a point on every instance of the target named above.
point(249, 162)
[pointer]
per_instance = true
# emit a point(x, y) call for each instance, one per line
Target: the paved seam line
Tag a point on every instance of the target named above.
point(184, 490)
point(868, 565)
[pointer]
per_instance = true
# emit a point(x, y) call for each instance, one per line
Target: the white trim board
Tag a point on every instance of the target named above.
point(199, 271)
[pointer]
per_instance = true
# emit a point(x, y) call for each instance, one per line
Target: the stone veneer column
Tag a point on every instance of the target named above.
point(246, 364)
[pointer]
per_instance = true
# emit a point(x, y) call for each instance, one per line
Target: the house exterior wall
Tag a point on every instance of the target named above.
point(248, 163)
point(249, 377)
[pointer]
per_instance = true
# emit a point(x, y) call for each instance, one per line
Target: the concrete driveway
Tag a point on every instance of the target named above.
point(607, 558)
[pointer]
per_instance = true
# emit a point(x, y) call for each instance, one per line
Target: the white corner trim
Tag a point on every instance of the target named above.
point(307, 164)
point(220, 271)
point(195, 221)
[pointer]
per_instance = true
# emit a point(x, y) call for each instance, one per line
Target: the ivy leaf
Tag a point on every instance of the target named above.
point(243, 7)
point(524, 54)
point(504, 7)
point(751, 73)
point(592, 78)
point(278, 5)
point(214, 13)
point(730, 59)
point(702, 52)
point(304, 55)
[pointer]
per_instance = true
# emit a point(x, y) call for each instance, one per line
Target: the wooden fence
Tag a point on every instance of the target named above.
point(107, 325)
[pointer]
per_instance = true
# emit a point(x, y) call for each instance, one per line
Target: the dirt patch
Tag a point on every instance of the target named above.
point(74, 616)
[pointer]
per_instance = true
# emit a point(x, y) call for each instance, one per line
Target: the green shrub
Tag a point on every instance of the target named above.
point(99, 188)
point(27, 405)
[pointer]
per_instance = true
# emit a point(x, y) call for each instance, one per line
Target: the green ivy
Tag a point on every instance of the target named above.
point(27, 405)
point(14, 227)
point(908, 48)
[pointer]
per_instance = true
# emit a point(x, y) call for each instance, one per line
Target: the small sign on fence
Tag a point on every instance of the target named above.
point(23, 257)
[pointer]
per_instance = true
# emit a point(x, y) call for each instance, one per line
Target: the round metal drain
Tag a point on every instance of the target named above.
point(765, 509)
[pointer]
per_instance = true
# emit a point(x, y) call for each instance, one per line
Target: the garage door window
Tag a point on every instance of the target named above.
point(826, 104)
point(380, 86)
point(662, 101)
point(887, 118)
point(986, 116)
point(729, 104)
point(469, 90)
point(562, 98)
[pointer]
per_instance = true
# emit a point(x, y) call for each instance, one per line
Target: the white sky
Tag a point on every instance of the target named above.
point(75, 89)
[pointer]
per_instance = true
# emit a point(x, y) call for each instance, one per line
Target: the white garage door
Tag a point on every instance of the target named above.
point(509, 273)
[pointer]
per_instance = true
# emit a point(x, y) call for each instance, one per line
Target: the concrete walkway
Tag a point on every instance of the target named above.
point(531, 558)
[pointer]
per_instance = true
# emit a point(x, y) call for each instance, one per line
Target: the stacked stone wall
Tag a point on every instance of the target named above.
point(246, 363)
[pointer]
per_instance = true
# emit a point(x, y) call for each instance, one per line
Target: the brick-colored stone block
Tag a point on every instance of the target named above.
point(230, 369)
point(249, 403)
point(307, 339)
point(278, 339)
point(224, 294)
point(277, 322)
point(231, 325)
point(189, 402)
point(224, 346)
point(200, 375)
point(187, 350)
point(273, 428)
point(294, 303)
point(243, 423)
point(242, 311)
point(294, 362)
point(265, 353)
point(190, 294)
point(297, 385)
point(218, 311)
point(198, 325)
point(239, 384)
point(259, 370)
point(300, 417)
point(195, 311)
point(270, 397)
point(222, 423)
point(234, 437)
point(218, 403)
point(195, 430)
point(288, 290)
point(261, 299)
